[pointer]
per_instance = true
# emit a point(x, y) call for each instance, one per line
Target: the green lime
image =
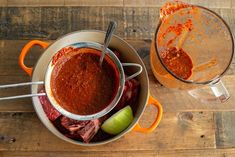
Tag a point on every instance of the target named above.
point(118, 122)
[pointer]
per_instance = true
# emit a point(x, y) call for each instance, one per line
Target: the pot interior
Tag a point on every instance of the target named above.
point(128, 54)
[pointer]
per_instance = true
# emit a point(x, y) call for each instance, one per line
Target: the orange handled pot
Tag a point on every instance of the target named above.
point(127, 52)
point(108, 55)
point(151, 100)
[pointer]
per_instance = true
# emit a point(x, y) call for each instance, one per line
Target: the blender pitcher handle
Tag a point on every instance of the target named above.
point(133, 65)
point(220, 91)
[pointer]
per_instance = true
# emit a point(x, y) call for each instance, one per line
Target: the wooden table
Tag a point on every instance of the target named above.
point(188, 127)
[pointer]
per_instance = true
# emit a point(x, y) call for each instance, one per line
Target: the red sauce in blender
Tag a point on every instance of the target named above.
point(79, 84)
point(178, 61)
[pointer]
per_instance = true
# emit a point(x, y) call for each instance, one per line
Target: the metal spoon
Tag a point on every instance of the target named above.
point(108, 37)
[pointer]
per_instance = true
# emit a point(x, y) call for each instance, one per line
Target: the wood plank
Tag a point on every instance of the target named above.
point(53, 22)
point(225, 129)
point(146, 3)
point(3, 3)
point(186, 130)
point(159, 3)
point(152, 153)
point(17, 3)
point(233, 4)
point(93, 3)
point(85, 18)
point(36, 3)
point(140, 23)
point(212, 3)
point(126, 3)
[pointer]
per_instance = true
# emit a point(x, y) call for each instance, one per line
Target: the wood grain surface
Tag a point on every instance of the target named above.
point(155, 153)
point(185, 130)
point(188, 127)
point(125, 3)
point(225, 129)
point(136, 23)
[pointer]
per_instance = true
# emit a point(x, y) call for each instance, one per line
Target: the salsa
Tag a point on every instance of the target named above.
point(174, 57)
point(178, 61)
point(80, 85)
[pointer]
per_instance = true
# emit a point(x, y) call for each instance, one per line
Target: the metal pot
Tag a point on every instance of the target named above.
point(128, 54)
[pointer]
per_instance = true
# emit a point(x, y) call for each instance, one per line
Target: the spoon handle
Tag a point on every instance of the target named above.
point(111, 28)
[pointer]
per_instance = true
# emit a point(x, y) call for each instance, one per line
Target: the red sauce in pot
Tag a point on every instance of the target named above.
point(80, 85)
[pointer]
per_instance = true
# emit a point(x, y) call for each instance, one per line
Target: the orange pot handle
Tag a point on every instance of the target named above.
point(151, 101)
point(25, 50)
